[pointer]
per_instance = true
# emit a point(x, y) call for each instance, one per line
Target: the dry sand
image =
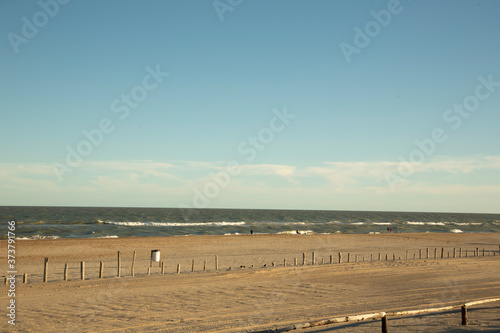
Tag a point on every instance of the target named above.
point(253, 298)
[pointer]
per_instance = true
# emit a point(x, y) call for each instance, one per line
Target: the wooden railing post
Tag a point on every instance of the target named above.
point(465, 319)
point(82, 270)
point(132, 270)
point(119, 264)
point(45, 269)
point(384, 324)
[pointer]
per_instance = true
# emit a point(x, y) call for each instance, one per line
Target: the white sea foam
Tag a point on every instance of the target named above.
point(175, 224)
point(357, 223)
point(457, 231)
point(111, 236)
point(294, 232)
point(425, 223)
point(382, 223)
point(37, 237)
point(467, 223)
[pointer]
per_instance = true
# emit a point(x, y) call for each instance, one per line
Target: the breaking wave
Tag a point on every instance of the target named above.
point(175, 224)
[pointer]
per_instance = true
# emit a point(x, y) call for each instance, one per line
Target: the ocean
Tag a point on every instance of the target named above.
point(99, 222)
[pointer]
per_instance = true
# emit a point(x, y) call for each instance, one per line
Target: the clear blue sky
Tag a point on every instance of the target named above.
point(233, 67)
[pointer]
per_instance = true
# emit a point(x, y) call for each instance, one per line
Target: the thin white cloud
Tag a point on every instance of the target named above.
point(347, 183)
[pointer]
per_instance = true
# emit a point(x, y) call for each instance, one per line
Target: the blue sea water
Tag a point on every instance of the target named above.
point(94, 222)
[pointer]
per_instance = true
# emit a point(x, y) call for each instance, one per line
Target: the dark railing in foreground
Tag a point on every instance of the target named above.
point(383, 316)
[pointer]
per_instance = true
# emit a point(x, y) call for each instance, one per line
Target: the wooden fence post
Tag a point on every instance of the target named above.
point(132, 270)
point(295, 261)
point(348, 257)
point(216, 263)
point(419, 253)
point(82, 270)
point(284, 262)
point(25, 278)
point(483, 251)
point(384, 324)
point(162, 267)
point(303, 258)
point(406, 257)
point(178, 268)
point(454, 253)
point(119, 264)
point(435, 253)
point(314, 258)
point(465, 319)
point(66, 272)
point(460, 253)
point(101, 270)
point(340, 257)
point(204, 265)
point(331, 259)
point(192, 266)
point(149, 270)
point(45, 269)
point(442, 252)
point(379, 256)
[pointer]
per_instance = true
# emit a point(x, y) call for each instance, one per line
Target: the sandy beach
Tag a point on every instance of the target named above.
point(248, 293)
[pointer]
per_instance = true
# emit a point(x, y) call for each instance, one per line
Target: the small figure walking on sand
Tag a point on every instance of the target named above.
point(251, 231)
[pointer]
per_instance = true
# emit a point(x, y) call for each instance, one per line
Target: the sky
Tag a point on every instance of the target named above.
point(335, 105)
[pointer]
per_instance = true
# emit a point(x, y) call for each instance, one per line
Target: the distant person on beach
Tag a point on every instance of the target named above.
point(251, 231)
